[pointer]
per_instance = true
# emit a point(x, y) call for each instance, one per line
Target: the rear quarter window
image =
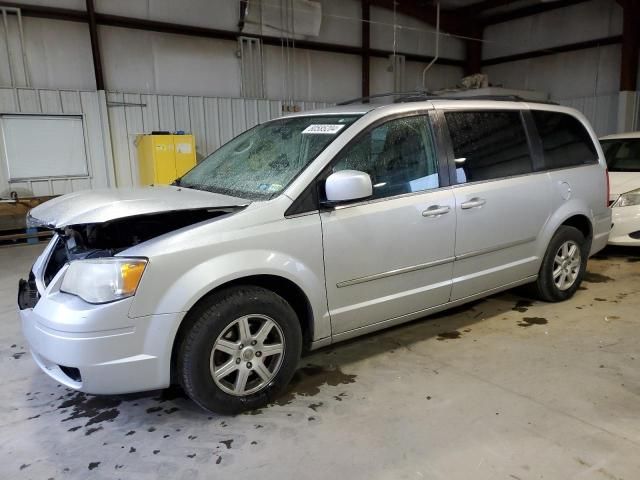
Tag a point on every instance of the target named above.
point(565, 140)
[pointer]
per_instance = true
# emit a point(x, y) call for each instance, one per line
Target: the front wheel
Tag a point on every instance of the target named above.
point(563, 266)
point(240, 351)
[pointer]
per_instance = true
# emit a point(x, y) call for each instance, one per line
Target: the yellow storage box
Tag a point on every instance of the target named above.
point(164, 157)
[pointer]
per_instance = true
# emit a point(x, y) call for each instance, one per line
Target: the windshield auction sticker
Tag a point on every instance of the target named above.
point(323, 129)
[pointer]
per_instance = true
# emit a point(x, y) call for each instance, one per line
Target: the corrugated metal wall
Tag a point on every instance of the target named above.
point(111, 129)
point(112, 123)
point(601, 110)
point(92, 107)
point(212, 120)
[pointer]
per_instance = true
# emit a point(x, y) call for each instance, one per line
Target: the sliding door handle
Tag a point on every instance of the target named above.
point(475, 202)
point(435, 211)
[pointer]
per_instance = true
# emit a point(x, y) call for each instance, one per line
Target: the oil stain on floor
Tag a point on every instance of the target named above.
point(522, 306)
point(591, 277)
point(307, 382)
point(89, 412)
point(449, 335)
point(95, 409)
point(529, 321)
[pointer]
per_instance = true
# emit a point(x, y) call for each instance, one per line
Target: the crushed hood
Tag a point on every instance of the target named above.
point(623, 182)
point(103, 205)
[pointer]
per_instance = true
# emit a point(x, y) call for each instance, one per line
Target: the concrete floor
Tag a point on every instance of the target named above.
point(500, 389)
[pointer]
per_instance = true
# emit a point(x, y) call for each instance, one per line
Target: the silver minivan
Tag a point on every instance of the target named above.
point(307, 230)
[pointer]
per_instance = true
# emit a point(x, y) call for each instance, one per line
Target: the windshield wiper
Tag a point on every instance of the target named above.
point(192, 186)
point(179, 183)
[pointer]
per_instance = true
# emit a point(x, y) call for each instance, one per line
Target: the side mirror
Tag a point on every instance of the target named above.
point(348, 185)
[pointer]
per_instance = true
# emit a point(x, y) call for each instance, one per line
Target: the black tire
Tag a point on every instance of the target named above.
point(211, 317)
point(545, 287)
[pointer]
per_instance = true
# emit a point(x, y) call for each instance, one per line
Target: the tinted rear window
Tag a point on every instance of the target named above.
point(488, 145)
point(565, 141)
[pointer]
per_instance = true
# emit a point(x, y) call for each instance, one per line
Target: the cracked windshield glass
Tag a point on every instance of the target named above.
point(261, 162)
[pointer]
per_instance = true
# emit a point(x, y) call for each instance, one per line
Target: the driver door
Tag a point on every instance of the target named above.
point(392, 254)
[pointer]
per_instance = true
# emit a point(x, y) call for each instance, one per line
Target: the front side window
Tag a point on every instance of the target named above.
point(622, 155)
point(488, 145)
point(565, 141)
point(399, 156)
point(261, 162)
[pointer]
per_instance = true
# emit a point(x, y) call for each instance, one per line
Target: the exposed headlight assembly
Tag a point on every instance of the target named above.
point(103, 280)
point(628, 199)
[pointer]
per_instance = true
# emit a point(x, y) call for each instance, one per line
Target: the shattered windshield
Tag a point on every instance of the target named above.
point(261, 162)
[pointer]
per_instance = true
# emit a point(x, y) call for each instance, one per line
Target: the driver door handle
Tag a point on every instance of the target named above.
point(475, 202)
point(435, 211)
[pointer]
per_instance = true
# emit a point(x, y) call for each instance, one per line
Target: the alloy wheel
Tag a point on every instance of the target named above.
point(247, 355)
point(566, 265)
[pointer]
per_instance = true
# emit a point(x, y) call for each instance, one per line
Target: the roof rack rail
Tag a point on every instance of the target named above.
point(420, 96)
point(417, 95)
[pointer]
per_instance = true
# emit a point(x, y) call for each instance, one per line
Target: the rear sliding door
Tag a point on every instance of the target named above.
point(501, 205)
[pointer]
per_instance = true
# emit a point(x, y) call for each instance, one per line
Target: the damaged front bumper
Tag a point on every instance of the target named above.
point(93, 348)
point(118, 360)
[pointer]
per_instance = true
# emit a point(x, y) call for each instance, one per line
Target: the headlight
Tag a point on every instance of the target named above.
point(103, 280)
point(628, 199)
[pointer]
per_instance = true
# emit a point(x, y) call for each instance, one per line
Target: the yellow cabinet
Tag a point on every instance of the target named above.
point(163, 158)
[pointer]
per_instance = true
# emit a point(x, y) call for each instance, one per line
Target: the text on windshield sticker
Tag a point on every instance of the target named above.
point(323, 129)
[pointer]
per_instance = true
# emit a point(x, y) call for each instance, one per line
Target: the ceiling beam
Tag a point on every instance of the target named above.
point(166, 27)
point(53, 13)
point(630, 46)
point(473, 51)
point(95, 45)
point(189, 30)
point(414, 57)
point(534, 9)
point(598, 42)
point(366, 46)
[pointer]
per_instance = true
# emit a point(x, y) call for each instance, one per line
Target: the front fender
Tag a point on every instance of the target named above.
point(182, 292)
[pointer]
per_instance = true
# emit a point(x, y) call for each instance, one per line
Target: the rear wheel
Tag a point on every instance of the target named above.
point(563, 265)
point(240, 351)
